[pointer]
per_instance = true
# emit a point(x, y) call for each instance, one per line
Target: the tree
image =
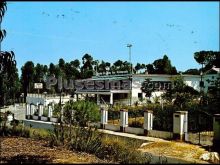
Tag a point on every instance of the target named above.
point(163, 66)
point(126, 66)
point(61, 63)
point(137, 67)
point(52, 69)
point(108, 65)
point(87, 69)
point(180, 93)
point(147, 87)
point(27, 77)
point(39, 73)
point(118, 65)
point(7, 64)
point(75, 63)
point(143, 66)
point(207, 58)
point(102, 67)
point(192, 71)
point(71, 70)
point(150, 68)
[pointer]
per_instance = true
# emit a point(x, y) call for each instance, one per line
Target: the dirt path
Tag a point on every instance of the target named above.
point(29, 150)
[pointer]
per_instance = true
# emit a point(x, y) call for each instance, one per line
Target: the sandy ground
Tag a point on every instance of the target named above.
point(179, 150)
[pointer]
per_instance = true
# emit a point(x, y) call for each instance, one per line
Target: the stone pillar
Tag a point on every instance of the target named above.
point(32, 109)
point(111, 98)
point(50, 111)
point(104, 117)
point(180, 126)
point(216, 130)
point(28, 113)
point(148, 121)
point(123, 119)
point(41, 109)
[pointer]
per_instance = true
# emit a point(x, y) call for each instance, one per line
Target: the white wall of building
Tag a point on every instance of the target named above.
point(190, 80)
point(45, 101)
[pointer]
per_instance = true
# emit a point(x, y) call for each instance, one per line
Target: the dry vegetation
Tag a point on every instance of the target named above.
point(180, 150)
point(25, 150)
point(130, 120)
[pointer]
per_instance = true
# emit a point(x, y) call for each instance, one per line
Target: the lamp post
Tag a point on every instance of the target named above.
point(131, 70)
point(129, 46)
point(201, 86)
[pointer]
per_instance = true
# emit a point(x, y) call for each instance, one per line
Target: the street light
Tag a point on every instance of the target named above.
point(131, 70)
point(201, 86)
point(129, 46)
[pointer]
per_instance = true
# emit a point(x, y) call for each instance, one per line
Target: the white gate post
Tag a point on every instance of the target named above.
point(148, 121)
point(41, 109)
point(180, 126)
point(28, 113)
point(50, 111)
point(104, 117)
point(32, 109)
point(123, 119)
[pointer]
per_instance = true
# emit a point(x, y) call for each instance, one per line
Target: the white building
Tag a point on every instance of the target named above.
point(122, 96)
point(116, 89)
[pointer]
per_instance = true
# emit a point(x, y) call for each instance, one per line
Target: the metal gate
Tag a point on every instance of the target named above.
point(200, 125)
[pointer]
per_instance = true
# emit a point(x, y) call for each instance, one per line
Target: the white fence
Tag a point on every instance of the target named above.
point(160, 134)
point(137, 131)
point(112, 127)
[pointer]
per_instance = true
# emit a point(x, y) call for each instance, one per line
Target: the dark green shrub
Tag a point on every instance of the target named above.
point(84, 112)
point(137, 124)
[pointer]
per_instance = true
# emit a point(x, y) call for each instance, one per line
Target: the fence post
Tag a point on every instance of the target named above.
point(148, 121)
point(28, 113)
point(104, 117)
point(50, 111)
point(180, 126)
point(40, 107)
point(32, 109)
point(216, 130)
point(123, 119)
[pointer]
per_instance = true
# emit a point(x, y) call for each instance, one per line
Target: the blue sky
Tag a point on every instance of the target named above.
point(46, 31)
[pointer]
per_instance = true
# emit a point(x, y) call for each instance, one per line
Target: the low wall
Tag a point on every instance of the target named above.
point(112, 127)
point(205, 140)
point(133, 130)
point(160, 134)
point(39, 124)
point(98, 125)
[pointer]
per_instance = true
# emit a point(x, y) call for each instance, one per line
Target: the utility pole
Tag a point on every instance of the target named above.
point(131, 70)
point(129, 46)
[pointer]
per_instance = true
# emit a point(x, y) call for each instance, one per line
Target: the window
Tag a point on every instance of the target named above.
point(140, 96)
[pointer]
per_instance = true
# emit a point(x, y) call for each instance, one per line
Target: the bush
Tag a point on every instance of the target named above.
point(85, 111)
point(113, 114)
point(86, 140)
point(21, 131)
point(122, 151)
point(39, 134)
point(138, 124)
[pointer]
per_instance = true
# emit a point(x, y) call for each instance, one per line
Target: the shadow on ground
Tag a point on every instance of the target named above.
point(20, 159)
